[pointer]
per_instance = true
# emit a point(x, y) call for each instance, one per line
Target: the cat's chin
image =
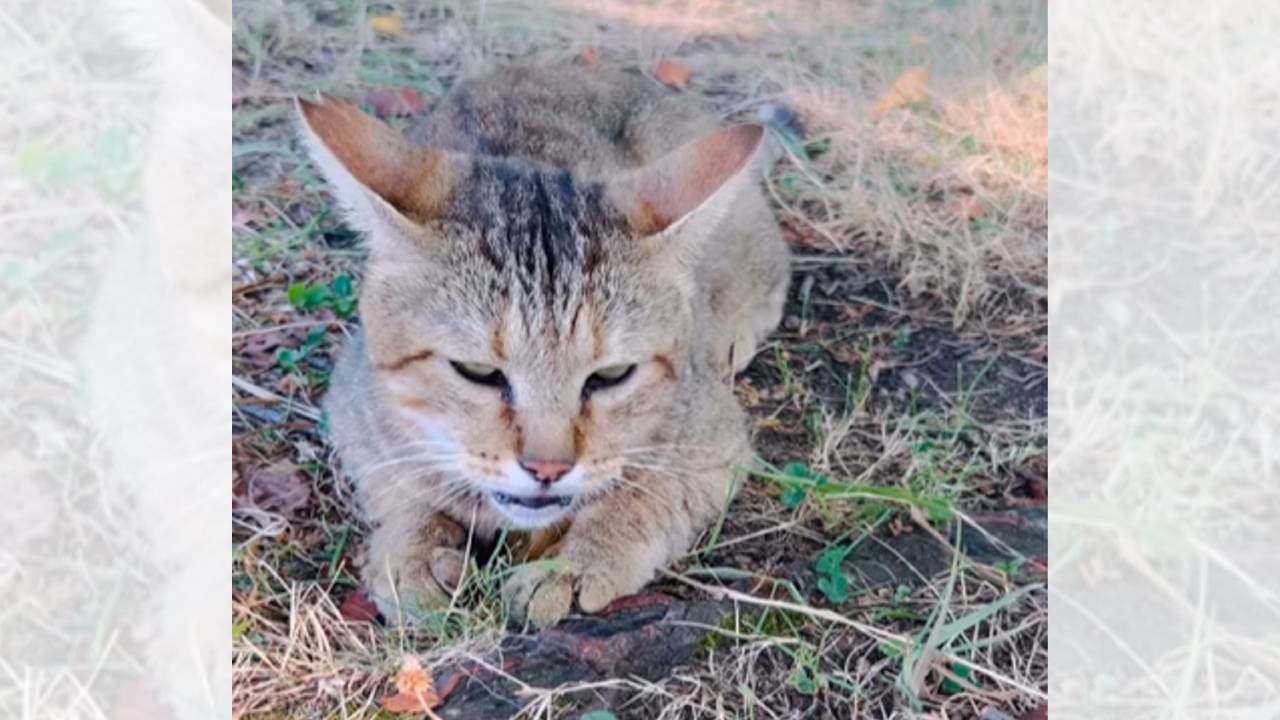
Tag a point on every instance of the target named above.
point(530, 512)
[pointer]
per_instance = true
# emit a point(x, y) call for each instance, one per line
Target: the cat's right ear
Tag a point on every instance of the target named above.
point(385, 181)
point(680, 198)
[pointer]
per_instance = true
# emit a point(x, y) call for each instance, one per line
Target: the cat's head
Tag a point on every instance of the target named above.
point(532, 330)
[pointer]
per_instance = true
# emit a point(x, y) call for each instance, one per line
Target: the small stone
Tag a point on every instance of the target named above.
point(911, 379)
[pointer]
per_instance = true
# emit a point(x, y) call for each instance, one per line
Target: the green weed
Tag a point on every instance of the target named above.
point(290, 360)
point(337, 296)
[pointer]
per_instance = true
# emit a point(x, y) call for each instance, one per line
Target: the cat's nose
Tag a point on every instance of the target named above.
point(546, 471)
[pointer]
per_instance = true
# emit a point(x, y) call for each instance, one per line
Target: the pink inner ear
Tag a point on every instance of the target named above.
point(684, 179)
point(412, 179)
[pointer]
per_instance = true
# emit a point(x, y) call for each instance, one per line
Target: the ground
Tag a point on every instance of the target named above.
point(892, 562)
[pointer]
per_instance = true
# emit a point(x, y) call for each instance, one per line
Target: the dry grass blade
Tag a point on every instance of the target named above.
point(902, 642)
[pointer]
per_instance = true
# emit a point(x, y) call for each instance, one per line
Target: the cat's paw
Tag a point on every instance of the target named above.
point(544, 594)
point(405, 582)
point(446, 566)
point(420, 585)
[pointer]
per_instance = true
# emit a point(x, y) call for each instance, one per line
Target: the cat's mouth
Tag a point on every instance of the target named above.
point(533, 502)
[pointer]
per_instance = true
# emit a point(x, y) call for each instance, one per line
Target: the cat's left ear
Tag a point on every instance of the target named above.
point(690, 190)
point(385, 181)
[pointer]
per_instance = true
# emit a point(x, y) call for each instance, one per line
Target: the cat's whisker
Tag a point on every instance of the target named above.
point(426, 453)
point(431, 444)
point(668, 470)
point(404, 454)
point(443, 494)
point(659, 448)
point(664, 503)
point(452, 492)
point(436, 476)
point(428, 463)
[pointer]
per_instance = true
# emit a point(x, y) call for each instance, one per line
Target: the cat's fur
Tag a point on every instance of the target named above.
point(552, 223)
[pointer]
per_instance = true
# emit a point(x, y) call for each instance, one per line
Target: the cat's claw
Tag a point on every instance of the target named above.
point(544, 596)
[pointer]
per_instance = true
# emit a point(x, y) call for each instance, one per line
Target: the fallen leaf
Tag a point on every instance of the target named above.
point(391, 25)
point(854, 314)
point(671, 74)
point(416, 690)
point(1039, 713)
point(389, 102)
point(966, 208)
point(804, 238)
point(280, 488)
point(1038, 489)
point(259, 349)
point(908, 88)
point(412, 100)
point(590, 57)
point(413, 678)
point(357, 607)
point(401, 703)
point(244, 218)
point(452, 682)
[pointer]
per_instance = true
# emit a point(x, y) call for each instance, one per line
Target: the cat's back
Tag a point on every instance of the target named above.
point(592, 120)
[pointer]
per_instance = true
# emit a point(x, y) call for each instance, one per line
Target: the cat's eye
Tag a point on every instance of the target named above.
point(480, 373)
point(615, 373)
point(607, 377)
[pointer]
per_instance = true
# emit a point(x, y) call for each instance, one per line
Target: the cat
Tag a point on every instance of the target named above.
point(566, 265)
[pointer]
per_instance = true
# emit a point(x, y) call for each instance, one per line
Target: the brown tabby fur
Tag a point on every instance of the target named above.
point(550, 223)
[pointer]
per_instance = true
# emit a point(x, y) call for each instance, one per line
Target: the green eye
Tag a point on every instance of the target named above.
point(614, 373)
point(480, 373)
point(607, 377)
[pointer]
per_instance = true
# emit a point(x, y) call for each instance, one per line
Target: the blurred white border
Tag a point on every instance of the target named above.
point(120, 551)
point(1165, 328)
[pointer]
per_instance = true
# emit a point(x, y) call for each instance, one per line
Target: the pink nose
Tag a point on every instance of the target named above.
point(545, 471)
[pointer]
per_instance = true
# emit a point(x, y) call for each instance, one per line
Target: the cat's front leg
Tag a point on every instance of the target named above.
point(612, 548)
point(414, 562)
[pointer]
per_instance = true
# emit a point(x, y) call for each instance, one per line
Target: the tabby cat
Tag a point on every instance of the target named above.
point(565, 266)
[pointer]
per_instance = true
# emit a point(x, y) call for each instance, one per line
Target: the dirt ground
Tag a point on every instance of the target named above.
point(901, 404)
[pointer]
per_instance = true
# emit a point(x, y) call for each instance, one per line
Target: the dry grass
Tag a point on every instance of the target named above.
point(912, 358)
point(1165, 399)
point(69, 575)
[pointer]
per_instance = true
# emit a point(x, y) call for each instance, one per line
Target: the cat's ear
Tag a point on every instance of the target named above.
point(377, 173)
point(693, 187)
